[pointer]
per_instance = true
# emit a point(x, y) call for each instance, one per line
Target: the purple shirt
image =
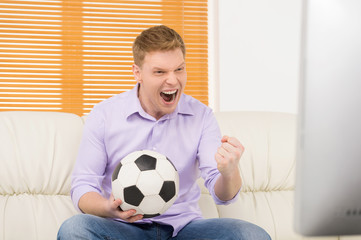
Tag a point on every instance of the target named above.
point(189, 137)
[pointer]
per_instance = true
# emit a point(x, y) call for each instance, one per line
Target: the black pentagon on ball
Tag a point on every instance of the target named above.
point(167, 191)
point(133, 196)
point(146, 162)
point(116, 171)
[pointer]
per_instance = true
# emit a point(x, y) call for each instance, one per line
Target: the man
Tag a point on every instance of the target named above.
point(156, 115)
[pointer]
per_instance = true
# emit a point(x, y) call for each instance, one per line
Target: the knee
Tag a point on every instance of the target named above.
point(73, 225)
point(249, 231)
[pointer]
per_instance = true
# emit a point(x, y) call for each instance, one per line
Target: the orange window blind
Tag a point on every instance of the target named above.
point(68, 55)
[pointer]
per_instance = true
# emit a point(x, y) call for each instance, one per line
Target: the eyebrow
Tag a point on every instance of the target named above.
point(159, 68)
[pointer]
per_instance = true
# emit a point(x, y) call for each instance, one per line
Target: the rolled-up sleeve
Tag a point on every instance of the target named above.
point(208, 145)
point(88, 173)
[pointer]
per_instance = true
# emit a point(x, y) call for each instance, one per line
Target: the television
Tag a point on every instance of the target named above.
point(328, 168)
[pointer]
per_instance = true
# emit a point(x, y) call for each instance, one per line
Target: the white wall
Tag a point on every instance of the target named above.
point(255, 61)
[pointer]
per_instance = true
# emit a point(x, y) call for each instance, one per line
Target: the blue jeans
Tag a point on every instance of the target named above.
point(89, 227)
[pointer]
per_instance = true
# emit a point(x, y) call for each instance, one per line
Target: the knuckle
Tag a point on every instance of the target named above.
point(242, 147)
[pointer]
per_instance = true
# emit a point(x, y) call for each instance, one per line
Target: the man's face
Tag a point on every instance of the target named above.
point(162, 79)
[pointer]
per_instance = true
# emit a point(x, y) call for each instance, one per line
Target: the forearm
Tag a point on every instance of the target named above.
point(93, 203)
point(227, 187)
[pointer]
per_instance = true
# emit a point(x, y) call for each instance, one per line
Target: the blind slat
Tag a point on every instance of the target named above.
point(69, 55)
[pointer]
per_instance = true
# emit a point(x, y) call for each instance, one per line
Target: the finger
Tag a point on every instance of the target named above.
point(223, 152)
point(228, 147)
point(135, 218)
point(234, 141)
point(219, 158)
point(125, 215)
point(130, 216)
point(117, 201)
point(231, 149)
point(224, 138)
point(230, 152)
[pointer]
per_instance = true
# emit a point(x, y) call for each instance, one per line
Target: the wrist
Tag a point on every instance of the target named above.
point(95, 204)
point(231, 175)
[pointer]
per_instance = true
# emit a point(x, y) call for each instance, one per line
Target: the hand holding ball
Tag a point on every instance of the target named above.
point(147, 182)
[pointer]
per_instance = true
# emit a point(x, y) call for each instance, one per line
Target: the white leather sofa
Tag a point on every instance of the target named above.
point(38, 150)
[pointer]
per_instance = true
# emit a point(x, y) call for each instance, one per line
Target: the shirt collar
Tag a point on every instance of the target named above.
point(134, 106)
point(184, 106)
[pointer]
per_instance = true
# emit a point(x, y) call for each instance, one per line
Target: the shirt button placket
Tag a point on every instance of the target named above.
point(157, 129)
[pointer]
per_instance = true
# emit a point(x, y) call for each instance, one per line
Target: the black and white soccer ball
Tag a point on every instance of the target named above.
point(146, 181)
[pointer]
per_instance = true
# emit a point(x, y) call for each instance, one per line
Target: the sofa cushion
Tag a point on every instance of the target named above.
point(267, 168)
point(37, 153)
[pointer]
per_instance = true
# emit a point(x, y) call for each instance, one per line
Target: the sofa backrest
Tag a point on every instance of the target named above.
point(267, 168)
point(268, 171)
point(37, 153)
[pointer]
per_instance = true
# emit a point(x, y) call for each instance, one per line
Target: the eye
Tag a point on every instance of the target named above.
point(180, 69)
point(158, 72)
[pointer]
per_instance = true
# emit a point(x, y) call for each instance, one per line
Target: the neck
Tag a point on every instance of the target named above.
point(156, 115)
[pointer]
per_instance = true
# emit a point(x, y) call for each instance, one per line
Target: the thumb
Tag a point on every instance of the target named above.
point(224, 139)
point(117, 201)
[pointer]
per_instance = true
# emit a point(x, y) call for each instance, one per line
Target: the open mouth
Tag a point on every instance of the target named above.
point(169, 96)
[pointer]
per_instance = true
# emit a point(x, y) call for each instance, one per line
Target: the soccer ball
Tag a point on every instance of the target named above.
point(146, 181)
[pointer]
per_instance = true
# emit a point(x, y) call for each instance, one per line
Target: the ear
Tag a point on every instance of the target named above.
point(136, 73)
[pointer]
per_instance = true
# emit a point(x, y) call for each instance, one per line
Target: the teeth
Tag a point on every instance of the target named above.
point(170, 92)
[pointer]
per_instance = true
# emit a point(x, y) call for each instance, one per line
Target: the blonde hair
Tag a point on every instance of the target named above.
point(158, 38)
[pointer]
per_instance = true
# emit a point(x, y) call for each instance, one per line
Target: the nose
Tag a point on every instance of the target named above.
point(172, 78)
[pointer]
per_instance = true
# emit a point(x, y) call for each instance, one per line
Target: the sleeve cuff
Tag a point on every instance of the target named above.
point(216, 199)
point(77, 193)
